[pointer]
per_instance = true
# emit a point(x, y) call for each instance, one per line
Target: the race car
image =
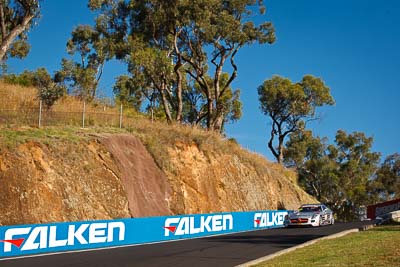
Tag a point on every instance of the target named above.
point(311, 215)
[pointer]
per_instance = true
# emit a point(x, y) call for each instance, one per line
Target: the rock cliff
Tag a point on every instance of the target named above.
point(104, 176)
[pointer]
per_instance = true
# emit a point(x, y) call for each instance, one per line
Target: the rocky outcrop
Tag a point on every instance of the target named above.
point(217, 182)
point(114, 176)
point(66, 181)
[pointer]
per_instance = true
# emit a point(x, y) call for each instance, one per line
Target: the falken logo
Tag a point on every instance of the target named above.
point(189, 225)
point(265, 219)
point(41, 237)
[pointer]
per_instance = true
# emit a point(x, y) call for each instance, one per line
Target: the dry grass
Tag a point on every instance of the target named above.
point(159, 135)
point(155, 135)
point(16, 97)
point(20, 106)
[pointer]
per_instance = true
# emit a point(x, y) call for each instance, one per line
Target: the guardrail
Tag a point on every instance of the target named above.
point(21, 240)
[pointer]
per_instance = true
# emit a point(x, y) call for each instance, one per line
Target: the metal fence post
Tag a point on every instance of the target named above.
point(83, 114)
point(40, 113)
point(120, 117)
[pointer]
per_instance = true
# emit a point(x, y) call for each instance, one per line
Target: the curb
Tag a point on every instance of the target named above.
point(308, 243)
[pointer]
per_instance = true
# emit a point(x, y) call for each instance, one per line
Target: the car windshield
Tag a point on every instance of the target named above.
point(310, 209)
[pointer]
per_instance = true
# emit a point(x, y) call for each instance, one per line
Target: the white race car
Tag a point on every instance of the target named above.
point(310, 214)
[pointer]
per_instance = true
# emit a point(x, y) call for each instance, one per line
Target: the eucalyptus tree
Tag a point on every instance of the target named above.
point(195, 104)
point(91, 50)
point(386, 185)
point(337, 174)
point(16, 18)
point(316, 166)
point(190, 40)
point(216, 32)
point(128, 92)
point(146, 32)
point(291, 105)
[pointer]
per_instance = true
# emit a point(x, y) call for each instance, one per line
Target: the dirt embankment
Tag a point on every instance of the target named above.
point(114, 176)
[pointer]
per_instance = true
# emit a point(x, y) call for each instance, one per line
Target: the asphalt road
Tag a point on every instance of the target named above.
point(227, 250)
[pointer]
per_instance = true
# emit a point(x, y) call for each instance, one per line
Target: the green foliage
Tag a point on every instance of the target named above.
point(290, 106)
point(336, 174)
point(386, 184)
point(49, 91)
point(26, 78)
point(356, 165)
point(83, 77)
point(19, 49)
point(127, 92)
point(170, 45)
point(195, 104)
point(16, 18)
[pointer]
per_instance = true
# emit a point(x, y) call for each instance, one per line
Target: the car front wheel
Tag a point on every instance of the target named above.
point(319, 220)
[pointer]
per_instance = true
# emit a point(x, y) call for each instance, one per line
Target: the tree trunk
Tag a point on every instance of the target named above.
point(209, 111)
point(280, 149)
point(218, 122)
point(3, 22)
point(165, 103)
point(217, 78)
point(179, 77)
point(8, 40)
point(179, 95)
point(271, 143)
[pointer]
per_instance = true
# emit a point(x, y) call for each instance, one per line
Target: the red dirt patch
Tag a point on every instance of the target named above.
point(146, 185)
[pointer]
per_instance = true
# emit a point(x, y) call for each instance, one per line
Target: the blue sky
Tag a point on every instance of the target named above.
point(351, 45)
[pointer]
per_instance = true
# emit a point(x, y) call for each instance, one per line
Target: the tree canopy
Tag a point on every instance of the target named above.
point(386, 183)
point(336, 174)
point(290, 105)
point(16, 18)
point(183, 46)
point(83, 77)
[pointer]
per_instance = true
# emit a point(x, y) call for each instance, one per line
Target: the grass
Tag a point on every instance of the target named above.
point(67, 114)
point(12, 137)
point(19, 108)
point(16, 97)
point(376, 247)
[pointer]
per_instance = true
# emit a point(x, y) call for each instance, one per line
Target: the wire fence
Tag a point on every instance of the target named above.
point(41, 116)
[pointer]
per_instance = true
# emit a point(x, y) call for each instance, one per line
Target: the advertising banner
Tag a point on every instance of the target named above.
point(20, 240)
point(376, 210)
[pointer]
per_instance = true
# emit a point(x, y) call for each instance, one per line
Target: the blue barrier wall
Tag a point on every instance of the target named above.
point(22, 240)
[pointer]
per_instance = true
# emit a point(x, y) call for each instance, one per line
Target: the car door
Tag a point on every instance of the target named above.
point(324, 214)
point(330, 214)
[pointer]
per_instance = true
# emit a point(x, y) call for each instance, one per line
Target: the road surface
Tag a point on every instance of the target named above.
point(227, 250)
